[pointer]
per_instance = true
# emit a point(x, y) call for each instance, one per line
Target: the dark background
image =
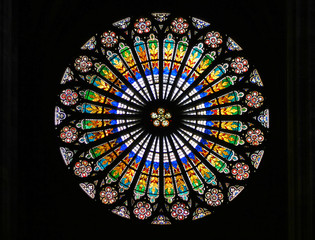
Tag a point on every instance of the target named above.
point(41, 201)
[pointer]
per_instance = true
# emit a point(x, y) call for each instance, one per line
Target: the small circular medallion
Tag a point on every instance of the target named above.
point(161, 118)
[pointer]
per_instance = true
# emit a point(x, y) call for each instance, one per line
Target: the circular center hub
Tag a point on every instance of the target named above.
point(161, 118)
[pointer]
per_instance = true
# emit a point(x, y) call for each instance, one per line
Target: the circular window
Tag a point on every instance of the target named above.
point(161, 118)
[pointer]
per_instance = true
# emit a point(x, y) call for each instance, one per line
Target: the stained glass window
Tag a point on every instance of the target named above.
point(161, 118)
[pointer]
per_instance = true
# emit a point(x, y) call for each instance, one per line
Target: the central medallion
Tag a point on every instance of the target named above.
point(161, 118)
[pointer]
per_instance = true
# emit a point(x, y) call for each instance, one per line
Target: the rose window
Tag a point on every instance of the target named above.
point(161, 119)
